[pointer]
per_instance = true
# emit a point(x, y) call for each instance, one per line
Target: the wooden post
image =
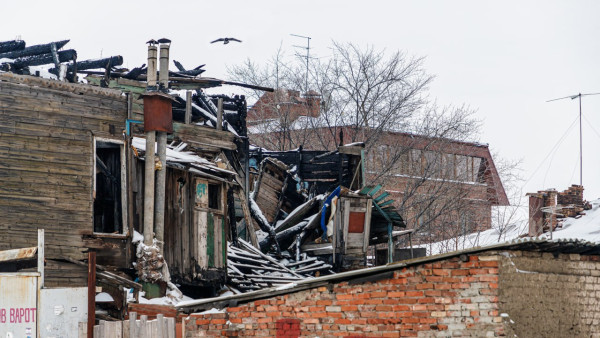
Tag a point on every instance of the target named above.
point(220, 114)
point(412, 255)
point(390, 244)
point(130, 166)
point(40, 260)
point(149, 188)
point(91, 293)
point(161, 176)
point(188, 107)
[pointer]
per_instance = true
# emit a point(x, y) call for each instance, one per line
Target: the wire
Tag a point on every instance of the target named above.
point(554, 154)
point(574, 170)
point(591, 126)
point(552, 150)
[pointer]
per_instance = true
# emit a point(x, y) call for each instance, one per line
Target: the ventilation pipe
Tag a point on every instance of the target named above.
point(150, 149)
point(159, 211)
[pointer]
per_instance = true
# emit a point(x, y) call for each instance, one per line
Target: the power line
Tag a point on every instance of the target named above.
point(551, 150)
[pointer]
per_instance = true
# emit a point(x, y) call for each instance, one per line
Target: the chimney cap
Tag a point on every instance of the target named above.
point(164, 40)
point(152, 42)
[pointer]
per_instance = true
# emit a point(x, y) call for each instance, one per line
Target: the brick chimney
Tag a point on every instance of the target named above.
point(540, 221)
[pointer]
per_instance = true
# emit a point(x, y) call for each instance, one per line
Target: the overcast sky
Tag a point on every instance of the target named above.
point(504, 58)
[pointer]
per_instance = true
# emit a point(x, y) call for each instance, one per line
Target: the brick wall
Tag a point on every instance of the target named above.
point(573, 195)
point(445, 298)
point(542, 295)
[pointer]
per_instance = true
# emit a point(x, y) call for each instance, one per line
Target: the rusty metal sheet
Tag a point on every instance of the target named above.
point(356, 222)
point(17, 254)
point(158, 113)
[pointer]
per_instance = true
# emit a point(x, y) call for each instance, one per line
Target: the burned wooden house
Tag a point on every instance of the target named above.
point(81, 161)
point(74, 163)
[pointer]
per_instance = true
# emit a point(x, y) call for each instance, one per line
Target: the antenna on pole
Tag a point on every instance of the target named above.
point(573, 97)
point(307, 57)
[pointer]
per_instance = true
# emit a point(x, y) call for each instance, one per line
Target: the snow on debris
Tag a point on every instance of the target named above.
point(177, 155)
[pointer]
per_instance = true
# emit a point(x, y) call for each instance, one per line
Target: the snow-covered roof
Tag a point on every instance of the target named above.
point(586, 228)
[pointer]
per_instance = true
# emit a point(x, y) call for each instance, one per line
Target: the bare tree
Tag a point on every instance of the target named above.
point(381, 99)
point(510, 220)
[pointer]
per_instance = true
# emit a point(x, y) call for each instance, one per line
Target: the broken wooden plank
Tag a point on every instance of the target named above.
point(10, 46)
point(33, 50)
point(17, 254)
point(251, 248)
point(42, 59)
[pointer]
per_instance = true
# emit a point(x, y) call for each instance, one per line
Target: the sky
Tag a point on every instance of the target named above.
point(503, 59)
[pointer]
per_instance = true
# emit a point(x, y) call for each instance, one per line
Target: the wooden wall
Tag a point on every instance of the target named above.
point(47, 130)
point(195, 238)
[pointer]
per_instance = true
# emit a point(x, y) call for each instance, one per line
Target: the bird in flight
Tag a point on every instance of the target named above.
point(226, 40)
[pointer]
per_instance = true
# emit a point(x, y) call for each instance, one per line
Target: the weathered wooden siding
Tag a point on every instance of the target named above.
point(47, 130)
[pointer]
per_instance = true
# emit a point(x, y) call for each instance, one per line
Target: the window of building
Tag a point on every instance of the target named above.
point(214, 196)
point(109, 186)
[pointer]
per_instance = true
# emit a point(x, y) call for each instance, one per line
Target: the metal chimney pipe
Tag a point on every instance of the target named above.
point(163, 75)
point(161, 175)
point(149, 156)
point(149, 188)
point(151, 71)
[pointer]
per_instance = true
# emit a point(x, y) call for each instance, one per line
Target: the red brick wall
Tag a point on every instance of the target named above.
point(449, 298)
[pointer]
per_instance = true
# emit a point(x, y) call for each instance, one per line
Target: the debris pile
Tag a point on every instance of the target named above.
point(250, 269)
point(150, 262)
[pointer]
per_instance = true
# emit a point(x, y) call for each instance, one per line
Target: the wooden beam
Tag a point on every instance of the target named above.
point(17, 254)
point(220, 114)
point(91, 293)
point(40, 250)
point(188, 107)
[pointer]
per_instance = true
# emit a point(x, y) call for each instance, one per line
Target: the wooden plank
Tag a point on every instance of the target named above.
point(91, 292)
point(210, 239)
point(345, 202)
point(248, 219)
point(367, 225)
point(133, 328)
point(143, 329)
point(201, 239)
point(188, 107)
point(160, 325)
point(11, 78)
point(223, 245)
point(153, 330)
point(17, 254)
point(171, 328)
point(186, 226)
